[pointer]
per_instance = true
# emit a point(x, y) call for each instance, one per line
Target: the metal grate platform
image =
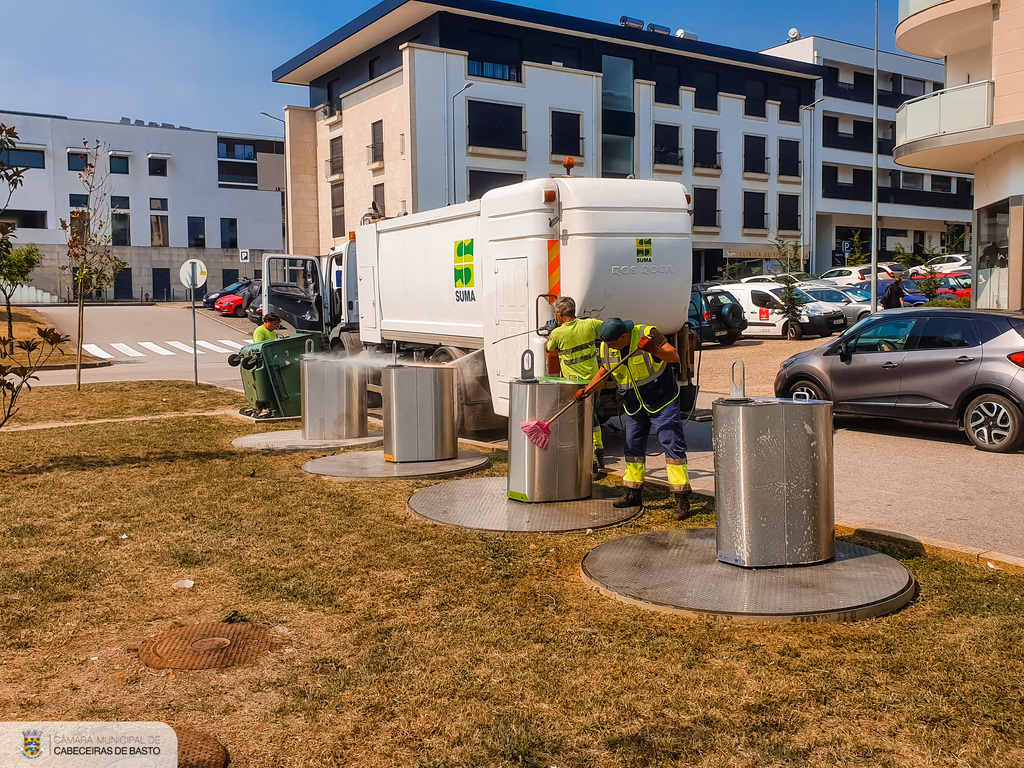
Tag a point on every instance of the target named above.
point(292, 440)
point(678, 571)
point(371, 464)
point(482, 504)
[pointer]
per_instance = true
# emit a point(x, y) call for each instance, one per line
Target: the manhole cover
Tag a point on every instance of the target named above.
point(206, 646)
point(197, 750)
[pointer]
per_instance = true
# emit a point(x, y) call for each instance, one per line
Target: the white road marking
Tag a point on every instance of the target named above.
point(184, 347)
point(230, 343)
point(213, 347)
point(155, 348)
point(95, 351)
point(124, 349)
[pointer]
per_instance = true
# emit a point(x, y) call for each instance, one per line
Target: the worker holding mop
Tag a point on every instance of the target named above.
point(649, 389)
point(574, 343)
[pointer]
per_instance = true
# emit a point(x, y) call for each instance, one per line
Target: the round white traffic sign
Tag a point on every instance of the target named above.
point(190, 278)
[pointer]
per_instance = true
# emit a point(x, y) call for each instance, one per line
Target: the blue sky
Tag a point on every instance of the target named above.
point(208, 63)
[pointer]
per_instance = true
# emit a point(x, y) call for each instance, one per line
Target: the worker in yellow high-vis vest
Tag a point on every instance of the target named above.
point(650, 392)
point(574, 342)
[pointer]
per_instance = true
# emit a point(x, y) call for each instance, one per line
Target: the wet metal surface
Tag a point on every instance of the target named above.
point(357, 466)
point(292, 440)
point(482, 504)
point(206, 646)
point(198, 750)
point(678, 571)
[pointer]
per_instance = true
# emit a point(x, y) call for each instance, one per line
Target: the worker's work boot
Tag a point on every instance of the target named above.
point(599, 458)
point(633, 498)
point(682, 507)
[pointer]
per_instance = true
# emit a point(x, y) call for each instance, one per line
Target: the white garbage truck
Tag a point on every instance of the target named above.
point(441, 285)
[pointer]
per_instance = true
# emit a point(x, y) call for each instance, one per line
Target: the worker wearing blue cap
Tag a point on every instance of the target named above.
point(649, 388)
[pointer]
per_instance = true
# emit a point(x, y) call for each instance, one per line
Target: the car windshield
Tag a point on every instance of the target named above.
point(801, 297)
point(853, 328)
point(858, 295)
point(236, 286)
point(803, 276)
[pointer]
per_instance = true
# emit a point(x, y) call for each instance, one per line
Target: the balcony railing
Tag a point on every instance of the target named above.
point(712, 160)
point(374, 153)
point(961, 108)
point(707, 218)
point(910, 7)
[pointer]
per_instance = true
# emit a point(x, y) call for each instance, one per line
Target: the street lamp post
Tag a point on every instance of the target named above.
point(455, 197)
point(284, 192)
point(810, 219)
point(874, 177)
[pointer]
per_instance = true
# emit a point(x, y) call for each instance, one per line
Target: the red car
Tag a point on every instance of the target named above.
point(232, 304)
point(954, 283)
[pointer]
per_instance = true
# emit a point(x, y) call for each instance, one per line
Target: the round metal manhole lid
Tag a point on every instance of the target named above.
point(206, 646)
point(198, 750)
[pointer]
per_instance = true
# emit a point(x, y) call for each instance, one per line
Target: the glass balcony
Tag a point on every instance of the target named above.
point(910, 7)
point(962, 108)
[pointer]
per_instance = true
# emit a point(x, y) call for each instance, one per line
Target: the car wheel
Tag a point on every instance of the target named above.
point(993, 423)
point(727, 341)
point(239, 311)
point(808, 389)
point(792, 331)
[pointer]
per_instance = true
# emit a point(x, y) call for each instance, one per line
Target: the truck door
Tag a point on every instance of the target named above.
point(293, 289)
point(511, 315)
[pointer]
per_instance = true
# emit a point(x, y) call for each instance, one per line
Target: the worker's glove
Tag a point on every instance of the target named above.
point(550, 325)
point(647, 344)
point(581, 395)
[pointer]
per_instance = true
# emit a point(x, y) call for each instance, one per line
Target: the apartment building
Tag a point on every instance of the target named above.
point(415, 105)
point(175, 193)
point(975, 124)
point(915, 205)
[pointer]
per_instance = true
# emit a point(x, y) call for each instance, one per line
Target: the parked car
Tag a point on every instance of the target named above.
point(255, 310)
point(954, 366)
point(762, 306)
point(912, 297)
point(894, 268)
point(716, 315)
point(948, 262)
point(233, 304)
point(852, 275)
point(211, 298)
point(956, 284)
point(801, 278)
point(855, 306)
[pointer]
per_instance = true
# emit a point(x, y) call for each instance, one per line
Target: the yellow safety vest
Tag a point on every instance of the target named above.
point(635, 379)
point(576, 342)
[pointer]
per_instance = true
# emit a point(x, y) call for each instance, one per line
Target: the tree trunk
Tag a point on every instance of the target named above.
point(10, 324)
point(81, 336)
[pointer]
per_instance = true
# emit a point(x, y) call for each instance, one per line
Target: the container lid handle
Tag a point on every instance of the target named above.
point(526, 372)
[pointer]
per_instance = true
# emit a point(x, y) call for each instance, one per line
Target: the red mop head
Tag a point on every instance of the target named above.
point(537, 432)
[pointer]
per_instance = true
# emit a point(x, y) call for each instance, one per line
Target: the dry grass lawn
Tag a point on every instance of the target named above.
point(411, 644)
point(26, 321)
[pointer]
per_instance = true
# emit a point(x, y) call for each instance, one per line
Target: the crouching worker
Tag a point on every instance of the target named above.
point(648, 387)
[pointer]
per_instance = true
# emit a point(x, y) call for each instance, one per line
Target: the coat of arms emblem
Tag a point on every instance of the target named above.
point(32, 745)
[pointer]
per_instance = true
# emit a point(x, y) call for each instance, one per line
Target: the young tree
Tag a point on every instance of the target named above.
point(790, 254)
point(907, 258)
point(16, 265)
point(10, 178)
point(91, 261)
point(15, 377)
point(791, 310)
point(859, 252)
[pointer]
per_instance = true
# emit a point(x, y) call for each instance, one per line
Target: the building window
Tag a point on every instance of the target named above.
point(196, 232)
point(336, 156)
point(789, 213)
point(566, 133)
point(119, 164)
point(666, 144)
point(23, 158)
point(498, 57)
point(120, 203)
point(789, 157)
point(566, 55)
point(375, 69)
point(375, 152)
point(992, 284)
point(337, 210)
point(616, 156)
point(22, 219)
point(753, 211)
point(228, 149)
point(158, 203)
point(499, 126)
point(229, 233)
point(158, 232)
point(77, 161)
point(705, 149)
point(666, 84)
point(378, 198)
point(706, 90)
point(617, 83)
point(482, 182)
point(912, 87)
point(493, 70)
point(754, 150)
point(942, 183)
point(789, 103)
point(705, 207)
point(755, 104)
point(78, 201)
point(909, 180)
point(120, 229)
point(158, 166)
point(229, 172)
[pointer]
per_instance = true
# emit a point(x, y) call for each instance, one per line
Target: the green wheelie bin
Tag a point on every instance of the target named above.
point(271, 373)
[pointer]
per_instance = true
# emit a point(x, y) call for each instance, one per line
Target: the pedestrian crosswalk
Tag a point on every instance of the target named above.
point(164, 348)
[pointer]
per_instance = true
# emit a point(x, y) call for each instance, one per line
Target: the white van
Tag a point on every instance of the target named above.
point(762, 306)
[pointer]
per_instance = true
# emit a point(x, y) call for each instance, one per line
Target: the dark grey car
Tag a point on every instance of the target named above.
point(963, 367)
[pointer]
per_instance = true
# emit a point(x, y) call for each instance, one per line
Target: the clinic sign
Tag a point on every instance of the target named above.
point(88, 745)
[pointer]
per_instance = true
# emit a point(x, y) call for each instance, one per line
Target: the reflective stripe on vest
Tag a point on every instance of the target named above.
point(640, 369)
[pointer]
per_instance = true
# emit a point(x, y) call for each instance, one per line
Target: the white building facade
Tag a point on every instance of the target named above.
point(175, 193)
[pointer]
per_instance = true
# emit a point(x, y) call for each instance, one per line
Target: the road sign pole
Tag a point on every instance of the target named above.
point(195, 352)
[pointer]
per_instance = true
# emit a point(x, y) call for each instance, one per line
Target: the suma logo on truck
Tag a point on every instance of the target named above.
point(465, 279)
point(643, 250)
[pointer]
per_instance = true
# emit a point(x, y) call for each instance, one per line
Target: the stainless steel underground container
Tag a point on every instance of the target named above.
point(419, 413)
point(774, 493)
point(333, 399)
point(563, 471)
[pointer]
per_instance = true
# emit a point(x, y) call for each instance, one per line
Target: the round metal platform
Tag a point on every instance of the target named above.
point(291, 440)
point(482, 503)
point(678, 571)
point(371, 464)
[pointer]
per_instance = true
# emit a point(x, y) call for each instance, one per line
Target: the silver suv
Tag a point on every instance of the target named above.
point(963, 367)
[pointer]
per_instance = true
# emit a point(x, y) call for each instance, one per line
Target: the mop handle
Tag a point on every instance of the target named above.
point(607, 373)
